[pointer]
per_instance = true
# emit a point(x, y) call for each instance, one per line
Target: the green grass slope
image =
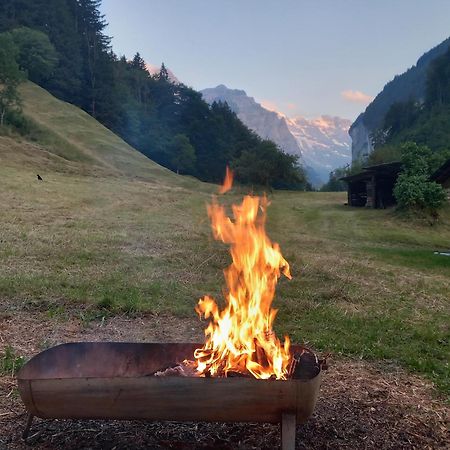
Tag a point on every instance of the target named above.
point(66, 138)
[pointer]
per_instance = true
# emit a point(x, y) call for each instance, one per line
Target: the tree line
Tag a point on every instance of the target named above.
point(167, 121)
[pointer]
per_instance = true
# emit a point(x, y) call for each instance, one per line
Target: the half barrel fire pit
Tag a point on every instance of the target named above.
point(110, 380)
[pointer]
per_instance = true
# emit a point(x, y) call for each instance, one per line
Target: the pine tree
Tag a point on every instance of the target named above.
point(163, 73)
point(138, 62)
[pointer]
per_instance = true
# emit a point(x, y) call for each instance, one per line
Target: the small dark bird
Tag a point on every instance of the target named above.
point(40, 178)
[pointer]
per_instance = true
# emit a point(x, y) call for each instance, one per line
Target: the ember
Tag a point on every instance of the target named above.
point(184, 369)
point(240, 338)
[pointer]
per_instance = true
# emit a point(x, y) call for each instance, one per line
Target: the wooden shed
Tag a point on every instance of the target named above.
point(373, 187)
point(442, 175)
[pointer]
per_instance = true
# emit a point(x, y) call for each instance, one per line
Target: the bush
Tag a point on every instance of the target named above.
point(10, 362)
point(413, 189)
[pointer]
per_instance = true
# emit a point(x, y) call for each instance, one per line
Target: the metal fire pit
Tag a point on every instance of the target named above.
point(110, 380)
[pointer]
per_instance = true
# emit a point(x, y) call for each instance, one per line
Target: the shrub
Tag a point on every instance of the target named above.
point(10, 363)
point(413, 189)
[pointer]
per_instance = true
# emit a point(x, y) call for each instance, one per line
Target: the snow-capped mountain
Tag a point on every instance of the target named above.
point(324, 141)
point(323, 144)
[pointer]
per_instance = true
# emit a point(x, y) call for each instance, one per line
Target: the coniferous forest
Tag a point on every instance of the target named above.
point(426, 122)
point(167, 121)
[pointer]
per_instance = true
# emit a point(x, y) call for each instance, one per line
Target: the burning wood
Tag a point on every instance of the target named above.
point(304, 366)
point(184, 369)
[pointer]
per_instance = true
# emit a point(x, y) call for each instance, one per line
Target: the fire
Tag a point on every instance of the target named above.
point(228, 182)
point(239, 338)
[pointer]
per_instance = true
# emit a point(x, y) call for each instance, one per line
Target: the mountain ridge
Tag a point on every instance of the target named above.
point(267, 124)
point(406, 86)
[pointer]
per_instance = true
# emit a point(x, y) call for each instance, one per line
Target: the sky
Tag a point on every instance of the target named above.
point(300, 57)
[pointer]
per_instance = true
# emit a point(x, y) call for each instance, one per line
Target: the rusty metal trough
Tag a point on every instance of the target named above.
point(111, 380)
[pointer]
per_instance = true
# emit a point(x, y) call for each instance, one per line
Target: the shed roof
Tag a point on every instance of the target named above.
point(392, 168)
point(443, 173)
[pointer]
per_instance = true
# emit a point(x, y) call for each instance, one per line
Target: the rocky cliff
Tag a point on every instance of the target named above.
point(361, 140)
point(267, 124)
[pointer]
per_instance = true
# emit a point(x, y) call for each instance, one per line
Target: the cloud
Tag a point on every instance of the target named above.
point(356, 96)
point(291, 106)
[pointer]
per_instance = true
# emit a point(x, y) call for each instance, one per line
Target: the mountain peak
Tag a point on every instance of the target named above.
point(267, 124)
point(221, 89)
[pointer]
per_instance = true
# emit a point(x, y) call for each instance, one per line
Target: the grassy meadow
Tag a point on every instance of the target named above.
point(95, 240)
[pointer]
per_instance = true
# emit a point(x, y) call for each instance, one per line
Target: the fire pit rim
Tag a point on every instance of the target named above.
point(24, 373)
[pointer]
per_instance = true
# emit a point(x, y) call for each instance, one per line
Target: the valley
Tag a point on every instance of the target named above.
point(113, 246)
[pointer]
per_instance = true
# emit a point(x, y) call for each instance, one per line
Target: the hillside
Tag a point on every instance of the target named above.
point(409, 85)
point(427, 123)
point(65, 138)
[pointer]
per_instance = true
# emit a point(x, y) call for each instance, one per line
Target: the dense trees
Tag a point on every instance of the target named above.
point(410, 85)
point(181, 154)
point(427, 122)
point(334, 183)
point(63, 47)
point(36, 55)
point(10, 76)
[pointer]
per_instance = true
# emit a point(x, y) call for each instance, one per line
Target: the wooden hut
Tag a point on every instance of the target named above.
point(442, 176)
point(373, 187)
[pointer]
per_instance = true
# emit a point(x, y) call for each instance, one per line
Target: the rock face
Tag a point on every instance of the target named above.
point(322, 144)
point(361, 141)
point(267, 124)
point(409, 85)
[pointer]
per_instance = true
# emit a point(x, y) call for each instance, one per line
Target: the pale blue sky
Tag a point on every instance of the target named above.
point(297, 55)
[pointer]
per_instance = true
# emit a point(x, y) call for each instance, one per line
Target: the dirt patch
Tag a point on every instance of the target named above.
point(29, 332)
point(360, 405)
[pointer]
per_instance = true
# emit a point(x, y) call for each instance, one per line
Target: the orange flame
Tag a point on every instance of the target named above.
point(240, 338)
point(227, 183)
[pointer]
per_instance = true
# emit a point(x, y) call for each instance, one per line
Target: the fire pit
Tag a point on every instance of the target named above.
point(242, 372)
point(111, 380)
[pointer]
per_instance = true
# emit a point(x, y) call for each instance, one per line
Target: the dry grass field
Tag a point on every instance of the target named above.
point(111, 246)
